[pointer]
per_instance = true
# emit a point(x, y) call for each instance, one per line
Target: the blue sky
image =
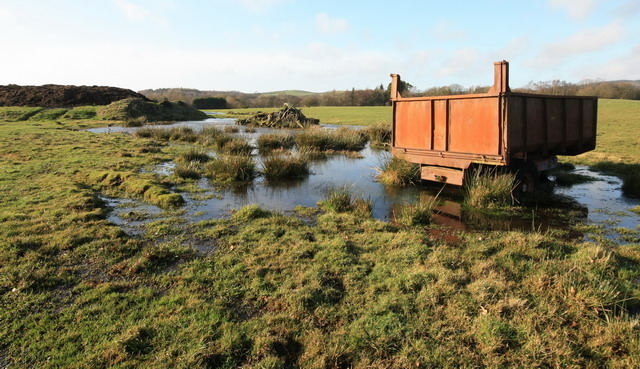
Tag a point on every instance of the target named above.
point(268, 45)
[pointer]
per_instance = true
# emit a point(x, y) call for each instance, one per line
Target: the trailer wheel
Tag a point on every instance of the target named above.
point(527, 177)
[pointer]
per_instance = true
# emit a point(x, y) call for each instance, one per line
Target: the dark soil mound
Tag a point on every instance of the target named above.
point(287, 117)
point(63, 96)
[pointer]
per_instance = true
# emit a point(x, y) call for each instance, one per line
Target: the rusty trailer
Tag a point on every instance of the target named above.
point(448, 135)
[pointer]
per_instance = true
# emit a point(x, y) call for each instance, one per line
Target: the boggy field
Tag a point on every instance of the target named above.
point(326, 286)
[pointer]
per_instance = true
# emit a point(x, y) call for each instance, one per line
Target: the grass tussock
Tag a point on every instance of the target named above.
point(194, 155)
point(231, 168)
point(342, 139)
point(230, 129)
point(417, 214)
point(342, 200)
point(274, 141)
point(489, 189)
point(150, 190)
point(636, 209)
point(395, 171)
point(379, 135)
point(188, 170)
point(283, 167)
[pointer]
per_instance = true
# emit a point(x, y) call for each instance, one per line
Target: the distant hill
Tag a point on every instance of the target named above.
point(290, 93)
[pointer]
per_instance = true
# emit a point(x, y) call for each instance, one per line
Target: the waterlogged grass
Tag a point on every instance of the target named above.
point(489, 189)
point(281, 167)
point(274, 141)
point(194, 155)
point(276, 291)
point(395, 171)
point(231, 168)
point(342, 139)
point(379, 135)
point(342, 199)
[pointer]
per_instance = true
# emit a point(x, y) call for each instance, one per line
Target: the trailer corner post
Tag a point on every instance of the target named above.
point(395, 82)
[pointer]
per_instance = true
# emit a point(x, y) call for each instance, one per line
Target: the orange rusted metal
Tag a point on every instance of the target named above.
point(448, 134)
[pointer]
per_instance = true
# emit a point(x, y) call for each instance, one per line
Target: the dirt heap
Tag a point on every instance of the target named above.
point(287, 117)
point(149, 111)
point(53, 96)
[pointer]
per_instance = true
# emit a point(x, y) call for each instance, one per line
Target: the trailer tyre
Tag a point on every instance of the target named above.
point(527, 177)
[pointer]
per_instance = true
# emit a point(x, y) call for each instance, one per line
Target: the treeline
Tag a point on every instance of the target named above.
point(380, 95)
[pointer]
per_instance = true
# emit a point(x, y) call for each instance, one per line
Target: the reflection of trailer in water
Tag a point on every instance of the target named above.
point(447, 135)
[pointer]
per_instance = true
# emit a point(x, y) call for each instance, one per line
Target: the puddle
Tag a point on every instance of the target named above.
point(129, 214)
point(602, 199)
point(607, 205)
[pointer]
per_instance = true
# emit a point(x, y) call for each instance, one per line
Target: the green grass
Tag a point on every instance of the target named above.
point(274, 141)
point(230, 169)
point(338, 290)
point(349, 115)
point(617, 145)
point(395, 171)
point(283, 167)
point(489, 189)
point(17, 113)
point(342, 199)
point(342, 139)
point(81, 112)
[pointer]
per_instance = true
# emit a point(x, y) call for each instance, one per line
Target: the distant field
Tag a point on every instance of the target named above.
point(618, 138)
point(351, 115)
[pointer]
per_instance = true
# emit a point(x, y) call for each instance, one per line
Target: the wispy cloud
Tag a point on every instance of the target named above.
point(445, 30)
point(578, 10)
point(329, 25)
point(621, 67)
point(586, 41)
point(259, 5)
point(137, 13)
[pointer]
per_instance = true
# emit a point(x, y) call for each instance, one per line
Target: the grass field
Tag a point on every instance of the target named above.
point(264, 290)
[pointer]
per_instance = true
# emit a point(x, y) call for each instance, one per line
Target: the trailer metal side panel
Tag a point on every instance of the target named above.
point(497, 128)
point(475, 126)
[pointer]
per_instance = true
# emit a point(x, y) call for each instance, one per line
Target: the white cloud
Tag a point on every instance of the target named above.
point(620, 67)
point(137, 13)
point(6, 15)
point(259, 5)
point(587, 41)
point(445, 30)
point(577, 9)
point(329, 25)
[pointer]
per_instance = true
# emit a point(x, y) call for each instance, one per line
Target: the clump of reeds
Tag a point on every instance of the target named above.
point(274, 141)
point(230, 129)
point(379, 135)
point(341, 199)
point(489, 189)
point(185, 134)
point(281, 167)
point(231, 168)
point(194, 155)
point(324, 140)
point(235, 146)
point(395, 171)
point(189, 170)
point(250, 130)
